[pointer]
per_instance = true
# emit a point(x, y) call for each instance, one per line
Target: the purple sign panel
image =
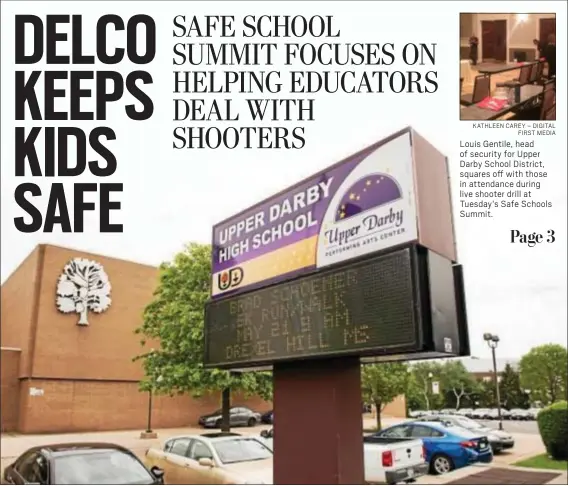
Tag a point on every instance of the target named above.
point(361, 205)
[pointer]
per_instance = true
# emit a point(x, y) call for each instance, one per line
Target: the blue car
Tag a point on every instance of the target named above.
point(447, 447)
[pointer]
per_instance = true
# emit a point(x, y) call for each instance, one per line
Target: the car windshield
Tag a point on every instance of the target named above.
point(241, 450)
point(104, 467)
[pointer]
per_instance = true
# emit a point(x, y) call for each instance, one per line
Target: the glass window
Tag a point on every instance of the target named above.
point(421, 431)
point(241, 450)
point(40, 470)
point(27, 468)
point(199, 450)
point(396, 432)
point(180, 447)
point(100, 467)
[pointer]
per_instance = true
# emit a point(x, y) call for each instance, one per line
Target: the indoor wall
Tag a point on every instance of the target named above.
point(521, 30)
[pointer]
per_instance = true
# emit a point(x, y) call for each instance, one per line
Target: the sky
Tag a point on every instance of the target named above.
point(172, 197)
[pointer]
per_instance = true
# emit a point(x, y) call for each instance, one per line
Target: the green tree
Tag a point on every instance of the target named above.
point(175, 321)
point(424, 374)
point(477, 397)
point(512, 395)
point(457, 381)
point(543, 371)
point(382, 383)
point(488, 395)
point(414, 397)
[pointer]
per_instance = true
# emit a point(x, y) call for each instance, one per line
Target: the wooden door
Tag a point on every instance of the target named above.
point(487, 39)
point(494, 40)
point(500, 28)
point(547, 27)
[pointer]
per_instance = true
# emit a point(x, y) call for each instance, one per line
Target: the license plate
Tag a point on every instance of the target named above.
point(410, 473)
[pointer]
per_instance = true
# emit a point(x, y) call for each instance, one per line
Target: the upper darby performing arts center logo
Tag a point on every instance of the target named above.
point(373, 209)
point(366, 214)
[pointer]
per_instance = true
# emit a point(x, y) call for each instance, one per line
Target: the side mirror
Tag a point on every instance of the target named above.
point(206, 462)
point(264, 433)
point(157, 472)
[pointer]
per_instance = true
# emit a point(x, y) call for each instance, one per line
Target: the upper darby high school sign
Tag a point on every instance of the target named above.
point(82, 287)
point(364, 204)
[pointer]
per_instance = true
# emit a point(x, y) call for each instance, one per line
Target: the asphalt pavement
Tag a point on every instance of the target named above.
point(514, 426)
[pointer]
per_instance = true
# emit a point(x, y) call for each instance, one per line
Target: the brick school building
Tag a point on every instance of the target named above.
point(66, 353)
point(62, 376)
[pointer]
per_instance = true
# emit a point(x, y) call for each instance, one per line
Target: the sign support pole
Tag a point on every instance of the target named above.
point(318, 428)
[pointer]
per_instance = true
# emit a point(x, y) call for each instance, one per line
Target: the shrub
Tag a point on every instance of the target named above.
point(553, 427)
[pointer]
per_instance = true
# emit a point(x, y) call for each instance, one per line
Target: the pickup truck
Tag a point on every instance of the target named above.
point(387, 460)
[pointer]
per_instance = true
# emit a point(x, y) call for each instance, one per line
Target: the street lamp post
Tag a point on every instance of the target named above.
point(492, 340)
point(430, 386)
point(149, 433)
point(149, 423)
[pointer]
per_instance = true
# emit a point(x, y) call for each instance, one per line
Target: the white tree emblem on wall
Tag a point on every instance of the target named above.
point(83, 286)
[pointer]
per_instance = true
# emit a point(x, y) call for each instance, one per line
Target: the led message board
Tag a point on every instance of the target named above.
point(380, 306)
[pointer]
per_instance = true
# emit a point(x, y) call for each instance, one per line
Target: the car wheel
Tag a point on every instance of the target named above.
point(441, 464)
point(251, 422)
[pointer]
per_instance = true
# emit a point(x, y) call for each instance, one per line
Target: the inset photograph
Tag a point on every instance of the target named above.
point(507, 66)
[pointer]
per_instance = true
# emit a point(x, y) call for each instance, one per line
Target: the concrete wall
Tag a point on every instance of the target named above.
point(466, 31)
point(9, 389)
point(520, 34)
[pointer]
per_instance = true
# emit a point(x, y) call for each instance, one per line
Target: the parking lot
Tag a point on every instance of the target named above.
point(514, 426)
point(527, 440)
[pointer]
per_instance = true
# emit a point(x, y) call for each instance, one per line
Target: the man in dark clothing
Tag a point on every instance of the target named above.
point(473, 43)
point(550, 55)
point(539, 46)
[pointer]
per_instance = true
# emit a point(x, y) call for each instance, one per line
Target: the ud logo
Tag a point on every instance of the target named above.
point(230, 278)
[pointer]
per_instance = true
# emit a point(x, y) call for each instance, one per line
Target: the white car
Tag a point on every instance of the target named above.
point(387, 460)
point(216, 458)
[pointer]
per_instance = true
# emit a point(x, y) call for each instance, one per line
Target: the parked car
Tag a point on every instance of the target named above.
point(533, 413)
point(387, 460)
point(80, 463)
point(447, 411)
point(446, 447)
point(492, 414)
point(218, 458)
point(238, 416)
point(498, 439)
point(479, 413)
point(267, 417)
point(417, 413)
point(520, 414)
point(464, 411)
